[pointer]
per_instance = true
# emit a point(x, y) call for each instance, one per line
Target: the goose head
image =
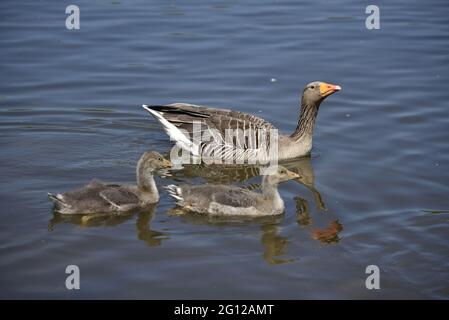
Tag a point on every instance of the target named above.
point(315, 92)
point(280, 174)
point(151, 161)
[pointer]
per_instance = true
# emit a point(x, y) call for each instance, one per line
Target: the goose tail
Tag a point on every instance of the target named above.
point(58, 200)
point(175, 192)
point(182, 140)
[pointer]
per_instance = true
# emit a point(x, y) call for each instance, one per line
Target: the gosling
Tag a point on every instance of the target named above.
point(99, 197)
point(215, 199)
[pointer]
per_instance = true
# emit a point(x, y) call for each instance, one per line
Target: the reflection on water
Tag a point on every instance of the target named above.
point(304, 168)
point(153, 238)
point(302, 212)
point(274, 244)
point(328, 234)
point(88, 220)
point(144, 232)
point(221, 174)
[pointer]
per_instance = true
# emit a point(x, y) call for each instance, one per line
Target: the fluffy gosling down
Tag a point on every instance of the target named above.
point(215, 199)
point(98, 197)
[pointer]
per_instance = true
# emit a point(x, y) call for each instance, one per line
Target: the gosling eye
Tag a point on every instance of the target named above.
point(283, 172)
point(160, 159)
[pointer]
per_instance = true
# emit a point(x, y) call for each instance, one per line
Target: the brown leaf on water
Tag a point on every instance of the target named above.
point(328, 234)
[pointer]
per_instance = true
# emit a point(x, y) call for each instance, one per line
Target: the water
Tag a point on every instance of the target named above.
point(70, 111)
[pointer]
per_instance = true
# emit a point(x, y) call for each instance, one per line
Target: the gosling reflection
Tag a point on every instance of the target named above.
point(88, 220)
point(223, 174)
point(274, 245)
point(151, 237)
point(144, 232)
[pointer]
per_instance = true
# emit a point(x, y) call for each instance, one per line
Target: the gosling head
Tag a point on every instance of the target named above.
point(151, 161)
point(315, 92)
point(280, 174)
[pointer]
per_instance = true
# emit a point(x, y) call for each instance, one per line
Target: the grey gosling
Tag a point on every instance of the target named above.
point(98, 197)
point(216, 199)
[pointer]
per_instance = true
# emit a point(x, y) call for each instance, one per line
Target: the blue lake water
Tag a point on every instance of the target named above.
point(70, 111)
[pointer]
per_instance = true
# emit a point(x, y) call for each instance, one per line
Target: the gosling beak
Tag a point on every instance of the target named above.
point(326, 89)
point(292, 175)
point(167, 163)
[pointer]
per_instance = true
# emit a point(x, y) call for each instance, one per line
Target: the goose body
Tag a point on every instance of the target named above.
point(228, 135)
point(228, 200)
point(99, 197)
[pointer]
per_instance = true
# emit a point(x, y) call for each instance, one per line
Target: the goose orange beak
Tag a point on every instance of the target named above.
point(326, 89)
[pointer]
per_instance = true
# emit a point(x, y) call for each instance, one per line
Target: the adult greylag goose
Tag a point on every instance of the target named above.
point(98, 197)
point(235, 136)
point(216, 199)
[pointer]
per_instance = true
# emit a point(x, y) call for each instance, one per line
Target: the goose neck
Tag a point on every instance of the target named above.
point(306, 122)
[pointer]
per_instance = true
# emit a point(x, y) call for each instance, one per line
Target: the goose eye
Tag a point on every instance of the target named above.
point(160, 159)
point(312, 87)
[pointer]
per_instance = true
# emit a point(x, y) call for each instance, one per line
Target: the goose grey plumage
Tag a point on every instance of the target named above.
point(253, 135)
point(216, 199)
point(98, 197)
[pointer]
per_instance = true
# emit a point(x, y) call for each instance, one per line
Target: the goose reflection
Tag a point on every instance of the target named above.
point(302, 212)
point(144, 232)
point(327, 235)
